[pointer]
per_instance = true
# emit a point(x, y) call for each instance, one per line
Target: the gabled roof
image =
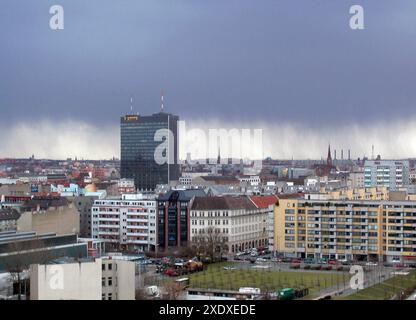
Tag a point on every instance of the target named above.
point(223, 203)
point(263, 202)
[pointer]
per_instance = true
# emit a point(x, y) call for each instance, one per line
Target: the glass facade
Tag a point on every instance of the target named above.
point(138, 147)
point(173, 217)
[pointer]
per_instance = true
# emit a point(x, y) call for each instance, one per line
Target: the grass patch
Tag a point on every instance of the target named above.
point(386, 289)
point(215, 277)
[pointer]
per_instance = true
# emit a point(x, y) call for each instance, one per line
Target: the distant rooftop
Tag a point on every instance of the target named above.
point(43, 203)
point(223, 203)
point(182, 195)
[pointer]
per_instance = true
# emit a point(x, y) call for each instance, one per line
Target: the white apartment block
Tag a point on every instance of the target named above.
point(129, 221)
point(185, 180)
point(86, 279)
point(388, 173)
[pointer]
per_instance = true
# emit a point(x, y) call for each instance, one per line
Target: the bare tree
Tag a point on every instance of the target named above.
point(173, 290)
point(211, 243)
point(187, 251)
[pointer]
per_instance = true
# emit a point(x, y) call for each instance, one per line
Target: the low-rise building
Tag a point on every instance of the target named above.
point(126, 186)
point(20, 249)
point(8, 219)
point(83, 279)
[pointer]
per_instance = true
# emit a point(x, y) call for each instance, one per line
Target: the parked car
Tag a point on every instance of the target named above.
point(344, 261)
point(259, 260)
point(371, 264)
point(332, 262)
point(309, 261)
point(171, 272)
point(276, 259)
point(295, 260)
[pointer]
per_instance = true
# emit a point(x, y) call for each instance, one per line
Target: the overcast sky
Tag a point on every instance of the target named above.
point(293, 63)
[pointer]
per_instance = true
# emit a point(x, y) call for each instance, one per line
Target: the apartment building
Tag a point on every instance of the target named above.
point(356, 180)
point(389, 173)
point(8, 219)
point(241, 221)
point(373, 193)
point(173, 221)
point(128, 221)
point(346, 229)
point(49, 214)
point(250, 180)
point(126, 186)
point(83, 279)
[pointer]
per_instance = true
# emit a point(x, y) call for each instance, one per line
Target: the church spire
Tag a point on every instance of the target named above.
point(329, 158)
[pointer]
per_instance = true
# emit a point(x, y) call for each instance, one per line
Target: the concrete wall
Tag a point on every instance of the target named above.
point(71, 281)
point(126, 280)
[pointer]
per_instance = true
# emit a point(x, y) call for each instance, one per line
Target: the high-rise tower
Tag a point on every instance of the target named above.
point(138, 149)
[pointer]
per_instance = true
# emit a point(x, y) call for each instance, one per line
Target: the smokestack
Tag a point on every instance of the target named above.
point(349, 154)
point(335, 154)
point(342, 154)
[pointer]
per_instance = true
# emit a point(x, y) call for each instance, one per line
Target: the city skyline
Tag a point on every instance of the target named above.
point(304, 77)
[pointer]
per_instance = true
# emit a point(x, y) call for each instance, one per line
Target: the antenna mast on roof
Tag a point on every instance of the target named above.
point(162, 107)
point(131, 104)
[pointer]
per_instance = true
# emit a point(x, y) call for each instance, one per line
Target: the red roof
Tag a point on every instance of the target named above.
point(263, 202)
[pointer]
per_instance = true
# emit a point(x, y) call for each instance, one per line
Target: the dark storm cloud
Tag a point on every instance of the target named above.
point(268, 60)
point(293, 67)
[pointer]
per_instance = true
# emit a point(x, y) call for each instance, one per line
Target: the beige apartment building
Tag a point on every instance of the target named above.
point(371, 193)
point(55, 216)
point(346, 229)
